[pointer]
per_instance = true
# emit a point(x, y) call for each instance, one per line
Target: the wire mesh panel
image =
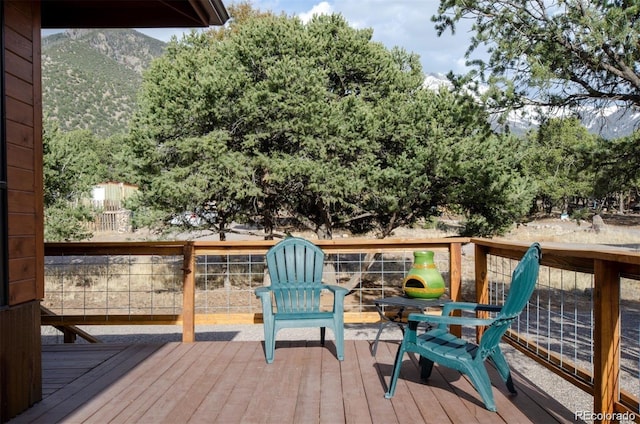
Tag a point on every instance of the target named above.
point(558, 322)
point(226, 283)
point(113, 284)
point(630, 336)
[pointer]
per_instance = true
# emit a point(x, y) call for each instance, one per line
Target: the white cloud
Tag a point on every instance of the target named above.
point(407, 24)
point(402, 23)
point(323, 8)
point(165, 34)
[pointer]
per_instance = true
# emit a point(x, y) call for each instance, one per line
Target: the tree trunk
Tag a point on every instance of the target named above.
point(368, 261)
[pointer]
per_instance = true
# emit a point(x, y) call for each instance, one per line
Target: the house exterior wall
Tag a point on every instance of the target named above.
point(21, 130)
point(20, 350)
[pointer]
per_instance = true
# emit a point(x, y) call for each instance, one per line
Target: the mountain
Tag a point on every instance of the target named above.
point(610, 123)
point(90, 78)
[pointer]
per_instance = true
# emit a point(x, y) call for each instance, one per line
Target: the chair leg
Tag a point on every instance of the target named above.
point(426, 366)
point(269, 342)
point(503, 369)
point(396, 372)
point(323, 331)
point(480, 379)
point(338, 332)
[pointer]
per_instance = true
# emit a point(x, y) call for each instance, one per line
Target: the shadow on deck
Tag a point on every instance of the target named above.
point(230, 382)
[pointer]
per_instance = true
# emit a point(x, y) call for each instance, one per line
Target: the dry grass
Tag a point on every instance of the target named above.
point(146, 284)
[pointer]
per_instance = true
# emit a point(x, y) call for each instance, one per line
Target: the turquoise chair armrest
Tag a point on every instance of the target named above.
point(469, 306)
point(261, 291)
point(264, 294)
point(449, 320)
point(336, 289)
point(338, 296)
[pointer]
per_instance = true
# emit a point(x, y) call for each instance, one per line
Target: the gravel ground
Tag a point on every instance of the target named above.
point(571, 397)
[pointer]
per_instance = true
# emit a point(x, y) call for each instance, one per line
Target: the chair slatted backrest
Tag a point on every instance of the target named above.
point(295, 268)
point(523, 282)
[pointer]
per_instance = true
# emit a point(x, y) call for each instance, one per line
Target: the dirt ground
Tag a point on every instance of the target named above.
point(618, 230)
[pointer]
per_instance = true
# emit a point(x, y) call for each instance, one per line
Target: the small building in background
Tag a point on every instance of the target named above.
point(108, 199)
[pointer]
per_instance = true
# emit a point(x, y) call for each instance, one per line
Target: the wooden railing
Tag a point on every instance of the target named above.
point(606, 268)
point(190, 250)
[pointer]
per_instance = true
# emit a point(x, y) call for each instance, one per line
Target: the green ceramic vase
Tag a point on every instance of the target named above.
point(423, 280)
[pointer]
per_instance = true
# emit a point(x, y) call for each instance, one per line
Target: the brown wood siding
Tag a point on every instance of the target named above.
point(20, 350)
point(24, 150)
point(21, 368)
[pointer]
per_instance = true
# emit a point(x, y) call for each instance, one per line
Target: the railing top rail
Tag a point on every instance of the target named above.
point(116, 248)
point(335, 245)
point(244, 246)
point(569, 253)
point(567, 250)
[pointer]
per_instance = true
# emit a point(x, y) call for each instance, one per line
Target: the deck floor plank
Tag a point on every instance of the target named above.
point(308, 401)
point(355, 399)
point(237, 360)
point(165, 372)
point(70, 367)
point(529, 401)
point(241, 395)
point(461, 387)
point(230, 382)
point(264, 395)
point(331, 396)
point(66, 401)
point(138, 391)
point(119, 395)
point(201, 356)
point(285, 389)
point(503, 398)
point(204, 378)
point(381, 411)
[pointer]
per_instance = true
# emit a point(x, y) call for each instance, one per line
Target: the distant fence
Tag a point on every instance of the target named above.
point(115, 221)
point(108, 198)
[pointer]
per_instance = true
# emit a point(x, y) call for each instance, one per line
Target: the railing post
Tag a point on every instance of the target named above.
point(188, 293)
point(482, 283)
point(606, 338)
point(455, 280)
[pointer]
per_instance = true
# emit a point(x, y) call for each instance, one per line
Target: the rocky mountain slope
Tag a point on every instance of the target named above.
point(612, 122)
point(90, 77)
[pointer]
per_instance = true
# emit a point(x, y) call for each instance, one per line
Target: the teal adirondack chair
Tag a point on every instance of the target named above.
point(293, 298)
point(439, 345)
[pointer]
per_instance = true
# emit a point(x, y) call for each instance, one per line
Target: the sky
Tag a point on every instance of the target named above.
point(402, 23)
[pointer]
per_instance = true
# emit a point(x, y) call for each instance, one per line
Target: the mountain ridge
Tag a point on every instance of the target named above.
point(90, 78)
point(610, 123)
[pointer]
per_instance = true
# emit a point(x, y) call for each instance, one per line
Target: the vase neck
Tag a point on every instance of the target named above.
point(425, 257)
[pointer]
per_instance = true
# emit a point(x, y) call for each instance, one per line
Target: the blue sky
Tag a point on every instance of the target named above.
point(403, 23)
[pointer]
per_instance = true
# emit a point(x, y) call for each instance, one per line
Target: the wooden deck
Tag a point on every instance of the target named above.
point(229, 382)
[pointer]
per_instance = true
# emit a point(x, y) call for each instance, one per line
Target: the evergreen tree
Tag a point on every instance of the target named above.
point(313, 121)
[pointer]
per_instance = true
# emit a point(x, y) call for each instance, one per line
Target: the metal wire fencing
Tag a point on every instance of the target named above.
point(225, 283)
